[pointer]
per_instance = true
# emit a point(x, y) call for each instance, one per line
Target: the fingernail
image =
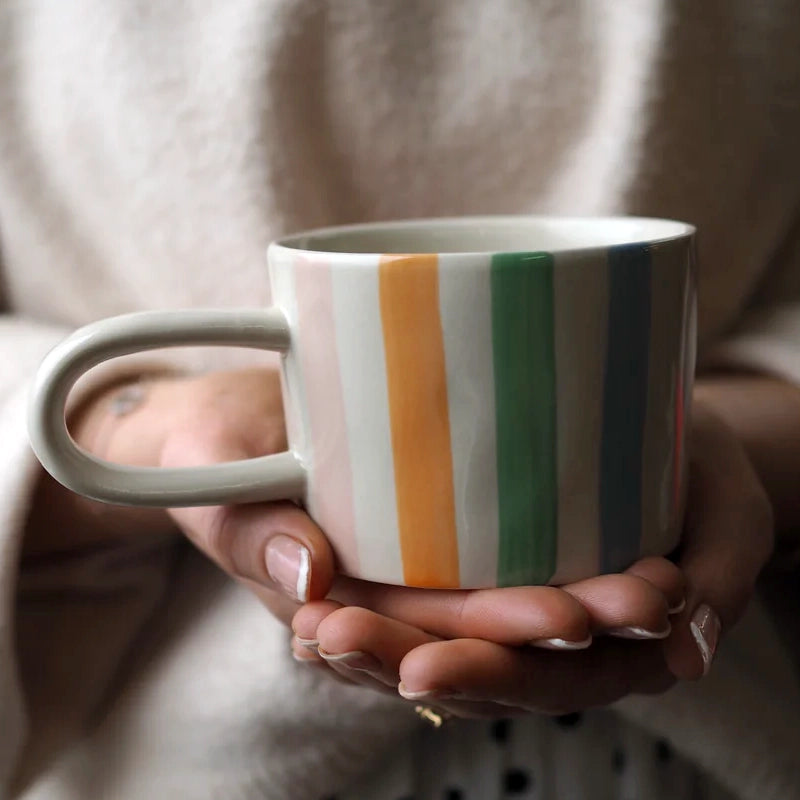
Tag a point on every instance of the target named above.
point(561, 644)
point(427, 694)
point(677, 609)
point(355, 659)
point(302, 660)
point(632, 632)
point(309, 644)
point(289, 565)
point(705, 627)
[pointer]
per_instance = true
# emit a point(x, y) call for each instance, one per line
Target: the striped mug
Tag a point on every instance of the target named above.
point(472, 402)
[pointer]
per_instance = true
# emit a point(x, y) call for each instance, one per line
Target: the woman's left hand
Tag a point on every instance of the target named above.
point(422, 644)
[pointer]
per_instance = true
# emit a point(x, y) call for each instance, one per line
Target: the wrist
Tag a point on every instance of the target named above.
point(764, 413)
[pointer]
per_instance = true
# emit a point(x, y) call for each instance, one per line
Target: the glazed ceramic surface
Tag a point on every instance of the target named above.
point(470, 403)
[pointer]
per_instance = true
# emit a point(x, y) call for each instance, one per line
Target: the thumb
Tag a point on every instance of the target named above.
point(728, 538)
point(272, 545)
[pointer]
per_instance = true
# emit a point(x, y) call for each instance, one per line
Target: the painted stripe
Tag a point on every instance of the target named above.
point(292, 381)
point(581, 324)
point(524, 371)
point(330, 492)
point(363, 379)
point(465, 307)
point(417, 385)
point(624, 405)
point(658, 455)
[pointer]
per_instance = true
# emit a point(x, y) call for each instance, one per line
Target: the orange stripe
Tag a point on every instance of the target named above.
point(417, 388)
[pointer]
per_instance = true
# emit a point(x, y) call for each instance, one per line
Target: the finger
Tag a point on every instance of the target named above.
point(543, 616)
point(274, 544)
point(623, 605)
point(351, 666)
point(728, 538)
point(303, 656)
point(306, 647)
point(666, 577)
point(352, 637)
point(356, 638)
point(308, 618)
point(553, 683)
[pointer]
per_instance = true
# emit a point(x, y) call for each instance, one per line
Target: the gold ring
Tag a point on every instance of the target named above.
point(431, 715)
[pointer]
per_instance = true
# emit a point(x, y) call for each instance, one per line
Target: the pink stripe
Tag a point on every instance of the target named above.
point(330, 500)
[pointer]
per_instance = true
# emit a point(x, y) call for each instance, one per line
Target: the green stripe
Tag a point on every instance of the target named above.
point(525, 396)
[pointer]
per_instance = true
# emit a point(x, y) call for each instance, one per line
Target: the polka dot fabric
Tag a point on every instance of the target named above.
point(591, 756)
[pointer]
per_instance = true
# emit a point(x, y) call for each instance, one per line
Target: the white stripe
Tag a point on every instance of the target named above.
point(668, 279)
point(359, 335)
point(581, 315)
point(465, 306)
point(281, 270)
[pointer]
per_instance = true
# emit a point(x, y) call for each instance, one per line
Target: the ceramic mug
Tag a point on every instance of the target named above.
point(472, 402)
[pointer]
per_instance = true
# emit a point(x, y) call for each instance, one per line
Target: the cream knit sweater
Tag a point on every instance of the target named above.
point(150, 151)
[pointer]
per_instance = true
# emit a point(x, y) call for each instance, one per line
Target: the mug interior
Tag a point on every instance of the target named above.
point(488, 235)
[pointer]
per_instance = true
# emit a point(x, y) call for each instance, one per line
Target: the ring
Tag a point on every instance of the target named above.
point(432, 716)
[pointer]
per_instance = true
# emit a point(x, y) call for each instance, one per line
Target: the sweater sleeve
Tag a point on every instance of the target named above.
point(23, 344)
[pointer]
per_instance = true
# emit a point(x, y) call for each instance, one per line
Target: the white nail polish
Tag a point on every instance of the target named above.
point(303, 574)
point(428, 694)
point(642, 634)
point(705, 627)
point(288, 563)
point(677, 609)
point(354, 659)
point(561, 644)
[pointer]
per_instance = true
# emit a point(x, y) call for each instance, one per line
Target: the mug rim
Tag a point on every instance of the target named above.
point(302, 242)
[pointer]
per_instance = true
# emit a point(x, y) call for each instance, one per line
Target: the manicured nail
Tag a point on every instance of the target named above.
point(677, 609)
point(309, 644)
point(632, 632)
point(561, 644)
point(355, 659)
point(303, 660)
point(289, 565)
point(705, 627)
point(427, 694)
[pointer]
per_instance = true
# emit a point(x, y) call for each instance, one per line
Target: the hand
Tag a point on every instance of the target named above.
point(504, 650)
point(468, 652)
point(274, 549)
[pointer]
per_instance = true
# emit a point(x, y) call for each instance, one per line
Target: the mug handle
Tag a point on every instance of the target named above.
point(273, 477)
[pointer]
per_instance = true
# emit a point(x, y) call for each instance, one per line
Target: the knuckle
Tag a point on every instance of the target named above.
point(561, 612)
point(463, 607)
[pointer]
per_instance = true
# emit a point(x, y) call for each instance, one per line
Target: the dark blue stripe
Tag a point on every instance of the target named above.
point(624, 406)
